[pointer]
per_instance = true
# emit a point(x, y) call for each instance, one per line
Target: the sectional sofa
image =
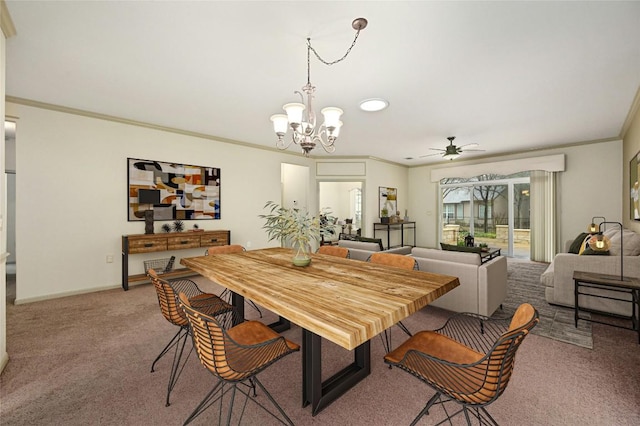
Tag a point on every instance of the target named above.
point(483, 286)
point(558, 278)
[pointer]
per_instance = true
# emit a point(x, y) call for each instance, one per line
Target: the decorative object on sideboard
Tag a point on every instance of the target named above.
point(148, 221)
point(406, 215)
point(296, 227)
point(196, 228)
point(301, 117)
point(166, 228)
point(384, 216)
point(178, 225)
point(469, 240)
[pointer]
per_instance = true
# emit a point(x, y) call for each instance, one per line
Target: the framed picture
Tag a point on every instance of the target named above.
point(172, 191)
point(388, 200)
point(633, 186)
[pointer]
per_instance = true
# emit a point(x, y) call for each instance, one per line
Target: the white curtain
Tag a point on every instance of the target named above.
point(543, 220)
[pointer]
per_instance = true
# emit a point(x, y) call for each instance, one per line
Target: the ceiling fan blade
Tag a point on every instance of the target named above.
point(431, 155)
point(468, 144)
point(438, 149)
point(473, 150)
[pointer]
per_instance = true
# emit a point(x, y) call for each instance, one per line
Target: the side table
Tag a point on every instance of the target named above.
point(612, 283)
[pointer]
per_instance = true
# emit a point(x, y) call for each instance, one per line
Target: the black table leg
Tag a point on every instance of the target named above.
point(237, 301)
point(318, 393)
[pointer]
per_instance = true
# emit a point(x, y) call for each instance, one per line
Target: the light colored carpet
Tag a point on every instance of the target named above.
point(556, 322)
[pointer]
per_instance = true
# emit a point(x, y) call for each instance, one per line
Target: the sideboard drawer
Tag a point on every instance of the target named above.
point(183, 242)
point(214, 239)
point(147, 245)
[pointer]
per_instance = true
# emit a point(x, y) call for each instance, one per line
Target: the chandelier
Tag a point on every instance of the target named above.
point(301, 117)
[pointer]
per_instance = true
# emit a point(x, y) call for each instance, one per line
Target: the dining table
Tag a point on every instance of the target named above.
point(345, 301)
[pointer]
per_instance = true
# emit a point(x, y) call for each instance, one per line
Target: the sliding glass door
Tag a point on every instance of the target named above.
point(493, 209)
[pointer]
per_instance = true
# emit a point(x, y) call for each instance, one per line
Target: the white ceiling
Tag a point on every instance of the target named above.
point(509, 76)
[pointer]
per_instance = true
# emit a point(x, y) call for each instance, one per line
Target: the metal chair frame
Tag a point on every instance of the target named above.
point(226, 294)
point(235, 365)
point(473, 386)
point(386, 336)
point(167, 299)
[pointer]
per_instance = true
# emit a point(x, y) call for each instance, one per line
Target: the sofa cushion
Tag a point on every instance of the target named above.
point(447, 256)
point(372, 240)
point(362, 245)
point(577, 244)
point(631, 242)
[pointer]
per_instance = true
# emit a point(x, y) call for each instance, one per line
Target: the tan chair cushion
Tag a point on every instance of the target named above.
point(391, 259)
point(437, 345)
point(255, 332)
point(334, 251)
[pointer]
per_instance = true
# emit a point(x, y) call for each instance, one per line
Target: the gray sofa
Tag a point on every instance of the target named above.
point(558, 278)
point(361, 250)
point(483, 286)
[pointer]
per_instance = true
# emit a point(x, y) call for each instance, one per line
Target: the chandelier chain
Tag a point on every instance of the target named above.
point(337, 60)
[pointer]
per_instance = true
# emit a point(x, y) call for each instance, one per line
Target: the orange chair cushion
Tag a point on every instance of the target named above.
point(255, 332)
point(334, 251)
point(436, 345)
point(393, 259)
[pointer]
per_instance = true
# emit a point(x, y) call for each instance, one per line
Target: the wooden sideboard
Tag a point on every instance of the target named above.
point(149, 243)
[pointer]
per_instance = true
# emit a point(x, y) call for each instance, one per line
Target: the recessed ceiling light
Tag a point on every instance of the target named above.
point(372, 105)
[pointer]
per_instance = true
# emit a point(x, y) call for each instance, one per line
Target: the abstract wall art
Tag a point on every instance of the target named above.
point(173, 191)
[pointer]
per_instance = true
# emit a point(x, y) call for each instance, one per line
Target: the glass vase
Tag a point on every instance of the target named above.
point(301, 254)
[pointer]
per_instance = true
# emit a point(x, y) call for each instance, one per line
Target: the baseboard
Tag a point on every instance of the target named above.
point(4, 360)
point(64, 294)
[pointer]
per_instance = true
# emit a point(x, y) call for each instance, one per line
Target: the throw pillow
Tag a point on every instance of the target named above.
point(631, 242)
point(451, 247)
point(372, 240)
point(590, 251)
point(578, 243)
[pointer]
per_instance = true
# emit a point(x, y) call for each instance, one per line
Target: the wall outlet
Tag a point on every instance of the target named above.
point(109, 258)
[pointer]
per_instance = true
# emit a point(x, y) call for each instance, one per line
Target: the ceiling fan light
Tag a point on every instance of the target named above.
point(373, 104)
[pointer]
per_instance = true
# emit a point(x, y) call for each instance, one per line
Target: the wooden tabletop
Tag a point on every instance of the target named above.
point(345, 301)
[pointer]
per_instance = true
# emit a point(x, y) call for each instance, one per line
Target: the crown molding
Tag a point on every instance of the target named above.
point(635, 105)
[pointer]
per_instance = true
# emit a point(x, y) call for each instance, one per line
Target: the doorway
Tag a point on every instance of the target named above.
point(343, 200)
point(10, 202)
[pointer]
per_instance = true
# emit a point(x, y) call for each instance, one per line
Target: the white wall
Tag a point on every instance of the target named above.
point(4, 357)
point(589, 186)
point(72, 193)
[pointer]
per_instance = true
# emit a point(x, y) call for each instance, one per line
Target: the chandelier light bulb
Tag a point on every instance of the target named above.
point(280, 124)
point(331, 116)
point(294, 112)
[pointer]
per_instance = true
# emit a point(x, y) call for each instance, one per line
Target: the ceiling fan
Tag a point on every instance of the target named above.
point(452, 151)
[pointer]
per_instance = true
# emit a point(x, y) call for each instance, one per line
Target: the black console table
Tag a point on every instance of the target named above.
point(398, 226)
point(612, 283)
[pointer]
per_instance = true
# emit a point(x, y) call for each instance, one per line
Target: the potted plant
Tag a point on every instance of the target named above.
point(384, 216)
point(296, 227)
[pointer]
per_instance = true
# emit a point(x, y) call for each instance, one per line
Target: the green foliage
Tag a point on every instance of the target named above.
point(295, 226)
